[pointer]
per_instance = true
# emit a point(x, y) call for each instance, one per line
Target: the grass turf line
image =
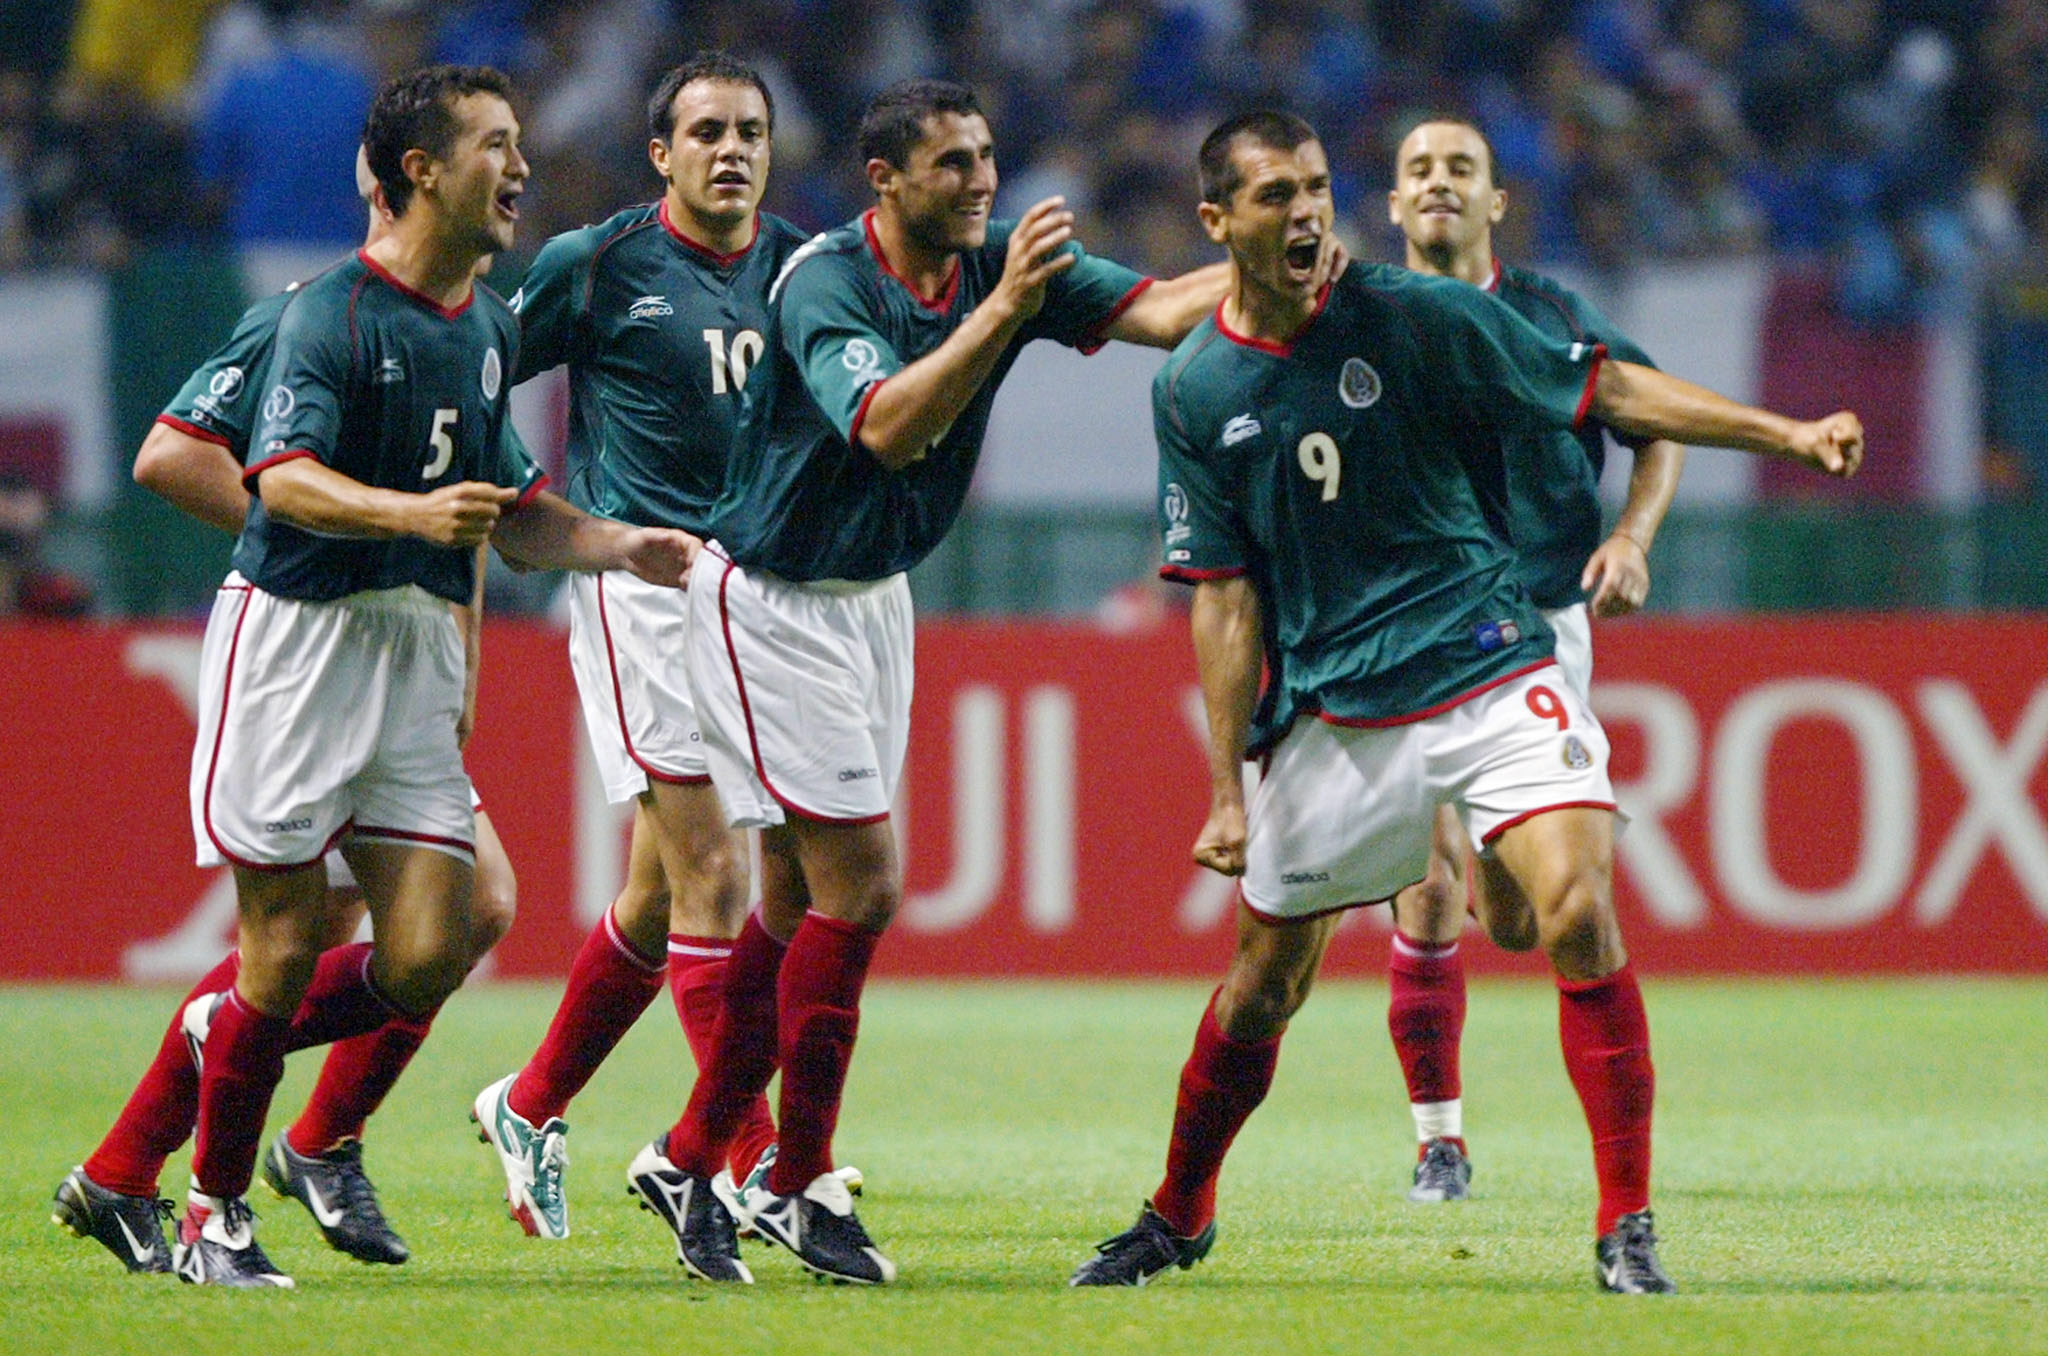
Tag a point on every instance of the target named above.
point(1841, 1167)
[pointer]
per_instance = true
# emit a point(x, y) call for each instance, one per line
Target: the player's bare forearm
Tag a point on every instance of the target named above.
point(913, 408)
point(550, 533)
point(1653, 404)
point(1229, 658)
point(1162, 314)
point(197, 476)
point(318, 498)
point(1652, 485)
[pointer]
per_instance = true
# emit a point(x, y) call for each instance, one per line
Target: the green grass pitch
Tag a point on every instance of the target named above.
point(1841, 1167)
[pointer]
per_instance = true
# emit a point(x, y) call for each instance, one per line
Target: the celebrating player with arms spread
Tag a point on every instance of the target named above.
point(659, 312)
point(1315, 440)
point(1542, 494)
point(194, 456)
point(331, 680)
point(886, 341)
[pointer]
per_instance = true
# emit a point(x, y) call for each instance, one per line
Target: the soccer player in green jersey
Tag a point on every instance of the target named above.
point(1541, 492)
point(193, 457)
point(862, 423)
point(1317, 449)
point(658, 313)
point(331, 676)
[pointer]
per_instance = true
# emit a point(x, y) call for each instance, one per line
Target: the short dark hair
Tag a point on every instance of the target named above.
point(1464, 120)
point(1273, 128)
point(893, 124)
point(715, 65)
point(416, 111)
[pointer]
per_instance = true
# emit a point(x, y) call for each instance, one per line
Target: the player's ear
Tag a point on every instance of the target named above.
point(657, 155)
point(1499, 208)
point(421, 168)
point(1394, 206)
point(881, 175)
point(1215, 221)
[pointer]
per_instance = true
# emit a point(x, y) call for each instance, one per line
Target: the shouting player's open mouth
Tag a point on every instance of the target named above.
point(508, 201)
point(1302, 254)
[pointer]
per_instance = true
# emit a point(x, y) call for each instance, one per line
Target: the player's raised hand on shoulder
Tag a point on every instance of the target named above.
point(1336, 257)
point(1617, 576)
point(1833, 444)
point(1033, 260)
point(1220, 846)
point(661, 555)
point(463, 514)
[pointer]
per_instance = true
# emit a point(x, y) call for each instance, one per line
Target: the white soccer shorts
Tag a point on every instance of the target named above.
point(803, 692)
point(626, 644)
point(1343, 814)
point(320, 719)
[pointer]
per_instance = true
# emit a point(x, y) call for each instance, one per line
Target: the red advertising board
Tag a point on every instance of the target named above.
point(1808, 796)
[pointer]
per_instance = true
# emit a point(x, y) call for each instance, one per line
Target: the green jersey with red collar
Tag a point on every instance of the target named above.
point(393, 390)
point(803, 499)
point(1335, 471)
point(659, 334)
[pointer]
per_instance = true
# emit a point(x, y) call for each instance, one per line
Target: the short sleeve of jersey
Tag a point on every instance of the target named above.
point(831, 335)
point(550, 304)
point(513, 466)
point(1503, 363)
point(1619, 346)
point(1201, 531)
point(219, 402)
point(1081, 302)
point(303, 390)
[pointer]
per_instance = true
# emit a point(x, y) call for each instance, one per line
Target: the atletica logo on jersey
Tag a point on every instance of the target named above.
point(388, 371)
point(1240, 428)
point(494, 373)
point(648, 307)
point(1358, 385)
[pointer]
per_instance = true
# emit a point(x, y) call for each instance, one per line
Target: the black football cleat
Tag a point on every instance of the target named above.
point(1627, 1258)
point(219, 1247)
point(707, 1239)
point(130, 1227)
point(1443, 1173)
point(819, 1226)
point(1143, 1251)
point(334, 1188)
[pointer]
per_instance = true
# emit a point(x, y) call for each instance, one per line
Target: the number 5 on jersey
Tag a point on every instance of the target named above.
point(443, 443)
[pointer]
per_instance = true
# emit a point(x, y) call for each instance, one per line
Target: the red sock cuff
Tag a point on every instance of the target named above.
point(1577, 986)
point(624, 946)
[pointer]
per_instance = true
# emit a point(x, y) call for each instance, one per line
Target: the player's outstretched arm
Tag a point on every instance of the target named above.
point(1653, 404)
point(1163, 313)
point(1617, 575)
point(318, 498)
point(1229, 658)
point(913, 408)
point(549, 533)
point(200, 477)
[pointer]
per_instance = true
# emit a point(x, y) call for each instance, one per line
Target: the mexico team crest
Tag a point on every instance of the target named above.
point(494, 373)
point(1358, 385)
point(1577, 756)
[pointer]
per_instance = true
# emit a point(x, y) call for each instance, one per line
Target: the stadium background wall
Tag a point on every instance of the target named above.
point(1832, 795)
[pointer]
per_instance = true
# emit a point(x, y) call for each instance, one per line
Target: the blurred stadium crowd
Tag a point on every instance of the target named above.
point(1899, 139)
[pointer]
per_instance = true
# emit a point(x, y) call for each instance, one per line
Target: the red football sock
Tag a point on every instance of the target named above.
point(732, 1073)
point(610, 985)
point(342, 1000)
point(353, 1081)
point(1426, 1016)
point(1222, 1083)
point(696, 979)
point(818, 1009)
point(161, 1111)
point(244, 1059)
point(1606, 1038)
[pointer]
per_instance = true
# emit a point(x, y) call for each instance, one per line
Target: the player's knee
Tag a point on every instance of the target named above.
point(492, 908)
point(1511, 927)
point(1578, 927)
point(1256, 1008)
point(422, 983)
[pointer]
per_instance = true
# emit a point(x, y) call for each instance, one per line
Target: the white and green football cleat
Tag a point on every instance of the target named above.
point(535, 1160)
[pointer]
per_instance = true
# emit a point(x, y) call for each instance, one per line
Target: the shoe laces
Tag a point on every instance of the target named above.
point(1638, 1239)
point(1149, 1233)
point(352, 1184)
point(549, 1166)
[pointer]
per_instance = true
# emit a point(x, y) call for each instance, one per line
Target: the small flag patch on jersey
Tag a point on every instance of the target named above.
point(1497, 635)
